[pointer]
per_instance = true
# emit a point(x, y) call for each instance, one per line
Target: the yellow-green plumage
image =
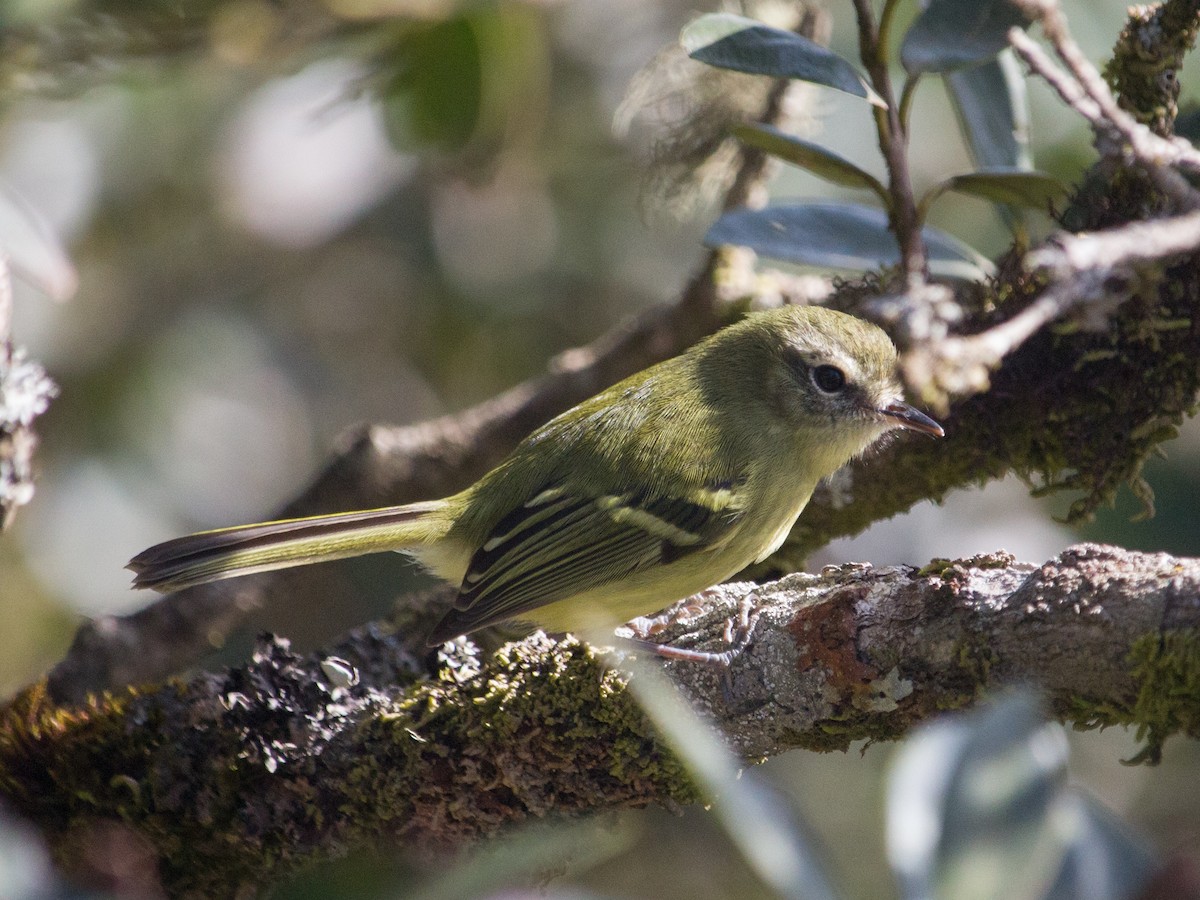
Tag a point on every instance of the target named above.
point(663, 485)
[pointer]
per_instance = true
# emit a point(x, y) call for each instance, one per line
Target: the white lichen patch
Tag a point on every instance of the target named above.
point(886, 693)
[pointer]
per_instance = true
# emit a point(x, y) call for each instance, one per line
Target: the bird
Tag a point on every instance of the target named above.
point(659, 487)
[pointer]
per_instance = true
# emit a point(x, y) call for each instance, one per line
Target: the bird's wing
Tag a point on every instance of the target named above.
point(561, 543)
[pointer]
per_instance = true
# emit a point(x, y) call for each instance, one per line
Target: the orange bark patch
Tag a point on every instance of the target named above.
point(826, 636)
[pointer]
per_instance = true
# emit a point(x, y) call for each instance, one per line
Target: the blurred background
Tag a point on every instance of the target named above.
point(288, 222)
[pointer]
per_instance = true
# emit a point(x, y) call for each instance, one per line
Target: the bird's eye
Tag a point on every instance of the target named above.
point(829, 379)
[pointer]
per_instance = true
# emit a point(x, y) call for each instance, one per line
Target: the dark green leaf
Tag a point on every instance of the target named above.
point(954, 34)
point(992, 105)
point(435, 94)
point(816, 159)
point(842, 235)
point(1016, 187)
point(746, 45)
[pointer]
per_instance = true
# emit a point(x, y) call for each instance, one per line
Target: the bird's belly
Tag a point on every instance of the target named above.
point(648, 591)
point(782, 528)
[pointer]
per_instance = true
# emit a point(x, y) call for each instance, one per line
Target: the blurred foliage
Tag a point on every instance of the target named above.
point(289, 218)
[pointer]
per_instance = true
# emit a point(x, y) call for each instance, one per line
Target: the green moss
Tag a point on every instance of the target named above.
point(544, 726)
point(975, 660)
point(56, 762)
point(165, 762)
point(1142, 71)
point(449, 760)
point(936, 567)
point(1087, 714)
point(842, 729)
point(1167, 671)
point(939, 567)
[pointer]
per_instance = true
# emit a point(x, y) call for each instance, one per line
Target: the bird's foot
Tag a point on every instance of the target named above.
point(643, 628)
point(739, 632)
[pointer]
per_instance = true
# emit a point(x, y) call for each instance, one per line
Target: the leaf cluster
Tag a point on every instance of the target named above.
point(962, 41)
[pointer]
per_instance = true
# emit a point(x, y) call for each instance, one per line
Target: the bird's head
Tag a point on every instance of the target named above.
point(826, 376)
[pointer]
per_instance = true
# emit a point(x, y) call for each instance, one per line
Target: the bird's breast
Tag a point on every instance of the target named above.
point(780, 517)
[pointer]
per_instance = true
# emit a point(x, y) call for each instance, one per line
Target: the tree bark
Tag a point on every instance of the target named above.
point(237, 778)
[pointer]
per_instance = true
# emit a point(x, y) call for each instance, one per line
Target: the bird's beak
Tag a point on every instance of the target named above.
point(900, 413)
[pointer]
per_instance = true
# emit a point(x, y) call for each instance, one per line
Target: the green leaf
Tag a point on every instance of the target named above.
point(843, 235)
point(816, 159)
point(434, 96)
point(955, 34)
point(992, 105)
point(1016, 187)
point(746, 45)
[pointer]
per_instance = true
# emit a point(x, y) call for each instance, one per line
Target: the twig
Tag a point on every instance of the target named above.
point(1090, 272)
point(1083, 89)
point(893, 141)
point(1116, 248)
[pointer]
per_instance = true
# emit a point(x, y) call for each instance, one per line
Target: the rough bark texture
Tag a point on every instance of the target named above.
point(235, 779)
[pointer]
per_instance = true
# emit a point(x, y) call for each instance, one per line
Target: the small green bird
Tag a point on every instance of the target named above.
point(661, 486)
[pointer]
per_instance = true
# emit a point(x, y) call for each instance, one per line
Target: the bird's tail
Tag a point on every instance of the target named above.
point(246, 549)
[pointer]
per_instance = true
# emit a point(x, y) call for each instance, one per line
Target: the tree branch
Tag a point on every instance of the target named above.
point(236, 779)
point(1090, 274)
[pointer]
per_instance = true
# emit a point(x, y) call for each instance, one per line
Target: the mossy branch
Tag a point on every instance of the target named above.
point(236, 779)
point(1144, 70)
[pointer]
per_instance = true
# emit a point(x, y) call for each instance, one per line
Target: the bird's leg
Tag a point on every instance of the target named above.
point(739, 633)
point(645, 627)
